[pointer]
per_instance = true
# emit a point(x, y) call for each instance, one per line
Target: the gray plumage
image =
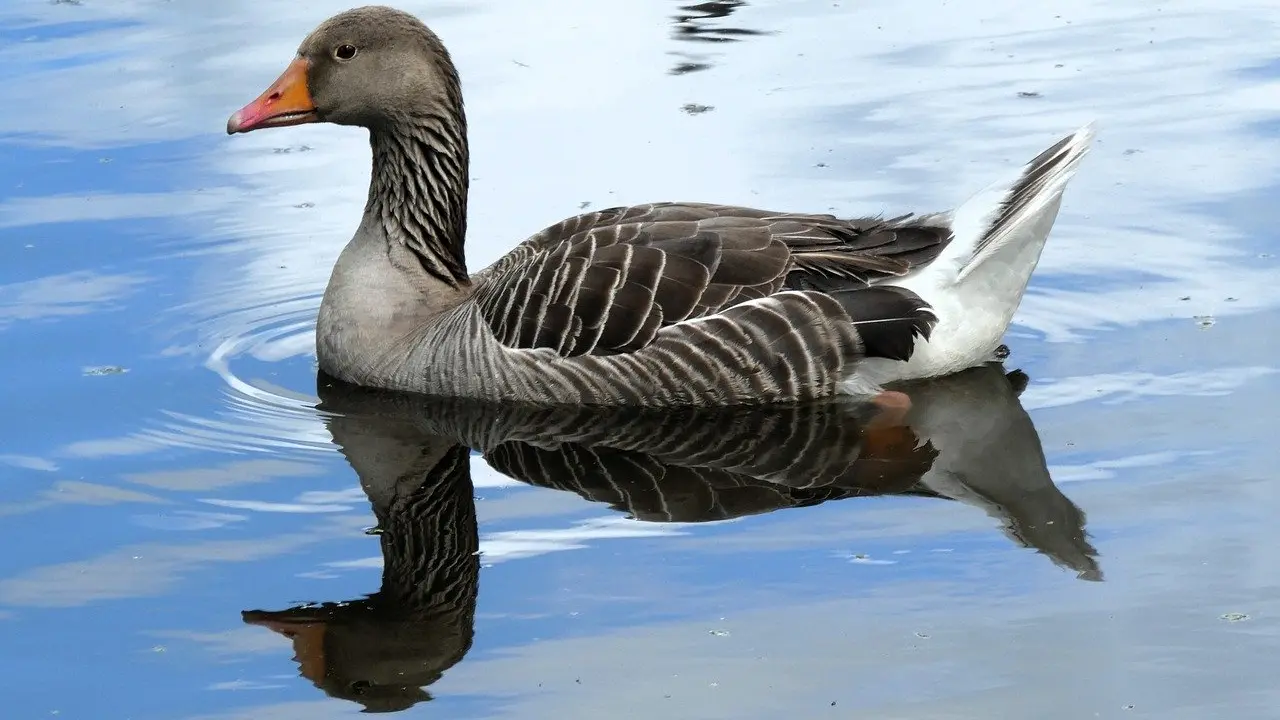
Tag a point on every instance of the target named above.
point(662, 304)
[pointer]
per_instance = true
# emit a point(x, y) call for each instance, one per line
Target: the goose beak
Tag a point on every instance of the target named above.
point(286, 102)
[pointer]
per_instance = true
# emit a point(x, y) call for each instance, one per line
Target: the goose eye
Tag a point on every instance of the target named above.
point(345, 52)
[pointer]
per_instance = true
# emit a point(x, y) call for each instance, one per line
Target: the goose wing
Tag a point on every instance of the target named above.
point(607, 282)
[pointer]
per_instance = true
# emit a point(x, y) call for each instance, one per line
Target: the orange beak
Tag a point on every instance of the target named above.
point(286, 102)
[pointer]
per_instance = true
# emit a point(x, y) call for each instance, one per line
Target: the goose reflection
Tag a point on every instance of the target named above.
point(990, 456)
point(697, 22)
point(382, 650)
point(966, 438)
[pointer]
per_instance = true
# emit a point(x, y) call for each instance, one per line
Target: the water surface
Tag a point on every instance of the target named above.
point(168, 471)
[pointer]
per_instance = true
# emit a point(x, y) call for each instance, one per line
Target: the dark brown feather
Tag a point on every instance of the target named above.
point(605, 282)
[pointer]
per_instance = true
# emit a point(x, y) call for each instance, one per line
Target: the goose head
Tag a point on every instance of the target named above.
point(371, 67)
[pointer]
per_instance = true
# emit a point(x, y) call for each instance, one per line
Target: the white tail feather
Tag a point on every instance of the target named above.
point(993, 217)
point(997, 238)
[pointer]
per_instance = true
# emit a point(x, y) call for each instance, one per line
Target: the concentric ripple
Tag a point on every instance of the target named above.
point(255, 412)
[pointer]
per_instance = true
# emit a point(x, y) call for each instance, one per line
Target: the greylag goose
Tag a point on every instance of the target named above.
point(662, 304)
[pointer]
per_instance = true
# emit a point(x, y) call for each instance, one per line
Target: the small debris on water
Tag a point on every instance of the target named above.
point(688, 67)
point(1233, 617)
point(1131, 151)
point(1028, 94)
point(305, 205)
point(921, 635)
point(720, 633)
point(1184, 298)
point(864, 559)
point(584, 204)
point(291, 149)
point(1205, 321)
point(696, 109)
point(105, 370)
point(1231, 299)
point(820, 165)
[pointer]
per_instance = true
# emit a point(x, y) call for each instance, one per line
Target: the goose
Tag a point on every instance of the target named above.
point(661, 304)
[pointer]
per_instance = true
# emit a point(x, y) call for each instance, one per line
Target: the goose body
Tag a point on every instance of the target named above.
point(662, 304)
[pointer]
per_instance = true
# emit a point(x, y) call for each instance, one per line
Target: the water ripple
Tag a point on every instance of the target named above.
point(256, 414)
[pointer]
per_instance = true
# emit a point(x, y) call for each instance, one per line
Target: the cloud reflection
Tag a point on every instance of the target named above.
point(132, 572)
point(65, 295)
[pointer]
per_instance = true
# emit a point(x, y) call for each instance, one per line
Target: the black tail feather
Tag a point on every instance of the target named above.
point(889, 319)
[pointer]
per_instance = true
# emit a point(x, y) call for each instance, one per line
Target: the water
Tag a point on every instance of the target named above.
point(166, 469)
